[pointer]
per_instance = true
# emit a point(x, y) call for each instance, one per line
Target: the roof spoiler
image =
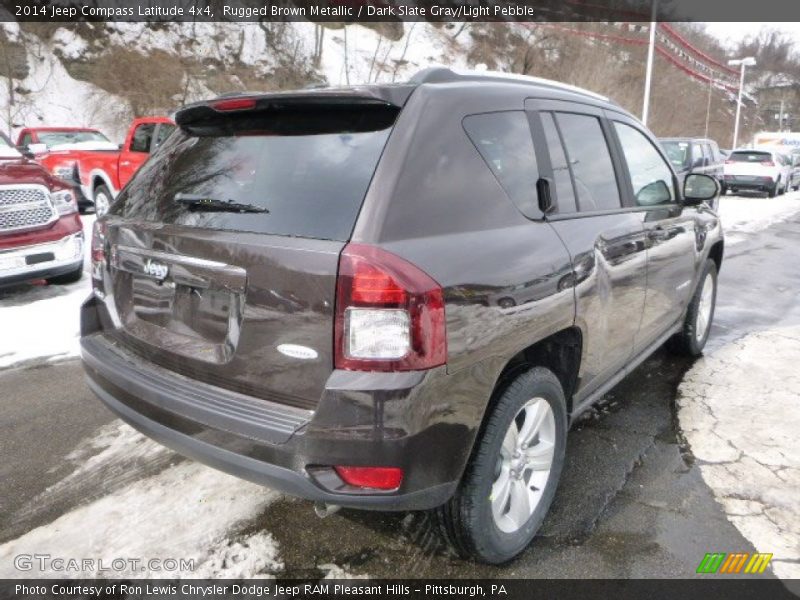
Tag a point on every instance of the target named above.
point(326, 98)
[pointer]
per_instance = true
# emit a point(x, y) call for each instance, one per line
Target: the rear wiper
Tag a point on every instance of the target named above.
point(200, 202)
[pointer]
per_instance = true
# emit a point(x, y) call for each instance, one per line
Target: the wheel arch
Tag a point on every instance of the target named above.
point(716, 253)
point(559, 352)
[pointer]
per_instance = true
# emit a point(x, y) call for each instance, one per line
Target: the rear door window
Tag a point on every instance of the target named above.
point(504, 141)
point(590, 159)
point(309, 169)
point(565, 195)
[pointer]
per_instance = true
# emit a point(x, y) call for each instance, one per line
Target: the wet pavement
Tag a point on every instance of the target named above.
point(631, 503)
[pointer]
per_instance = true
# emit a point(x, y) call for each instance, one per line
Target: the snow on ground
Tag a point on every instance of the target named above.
point(739, 409)
point(187, 511)
point(742, 215)
point(43, 321)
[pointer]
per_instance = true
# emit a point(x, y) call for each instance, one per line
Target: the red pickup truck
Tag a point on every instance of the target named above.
point(87, 158)
point(41, 236)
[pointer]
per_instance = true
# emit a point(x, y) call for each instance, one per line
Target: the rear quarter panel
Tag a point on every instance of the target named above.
point(435, 202)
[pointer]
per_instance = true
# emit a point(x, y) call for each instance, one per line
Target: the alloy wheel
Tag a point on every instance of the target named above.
point(524, 464)
point(704, 308)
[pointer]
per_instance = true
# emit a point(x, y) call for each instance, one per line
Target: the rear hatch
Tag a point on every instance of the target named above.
point(750, 165)
point(223, 249)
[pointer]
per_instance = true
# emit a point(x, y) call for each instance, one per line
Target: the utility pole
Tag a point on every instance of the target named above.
point(708, 106)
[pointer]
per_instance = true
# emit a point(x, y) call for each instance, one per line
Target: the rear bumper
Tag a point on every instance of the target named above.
point(751, 183)
point(41, 261)
point(286, 448)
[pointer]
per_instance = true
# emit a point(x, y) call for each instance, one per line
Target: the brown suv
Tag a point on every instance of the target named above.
point(397, 297)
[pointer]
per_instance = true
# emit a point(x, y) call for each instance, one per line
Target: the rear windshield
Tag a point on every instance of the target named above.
point(679, 153)
point(309, 171)
point(749, 156)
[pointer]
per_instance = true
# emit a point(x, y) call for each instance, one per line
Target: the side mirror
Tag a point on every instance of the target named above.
point(698, 188)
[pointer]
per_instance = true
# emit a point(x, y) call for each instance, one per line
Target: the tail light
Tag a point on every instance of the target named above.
point(729, 162)
point(98, 253)
point(389, 314)
point(767, 163)
point(378, 478)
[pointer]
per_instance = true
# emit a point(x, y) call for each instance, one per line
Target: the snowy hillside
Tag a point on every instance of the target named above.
point(73, 71)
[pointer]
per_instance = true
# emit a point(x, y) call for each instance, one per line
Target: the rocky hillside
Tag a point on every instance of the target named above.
point(104, 74)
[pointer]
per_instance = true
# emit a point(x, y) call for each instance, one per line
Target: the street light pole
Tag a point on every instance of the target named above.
point(648, 76)
point(743, 62)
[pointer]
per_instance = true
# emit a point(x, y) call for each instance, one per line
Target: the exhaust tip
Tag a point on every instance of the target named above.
point(325, 510)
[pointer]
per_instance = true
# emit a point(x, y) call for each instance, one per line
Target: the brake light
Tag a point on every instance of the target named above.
point(379, 478)
point(98, 253)
point(234, 104)
point(729, 162)
point(767, 163)
point(389, 313)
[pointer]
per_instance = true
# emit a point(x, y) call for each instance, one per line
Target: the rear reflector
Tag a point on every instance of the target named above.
point(234, 104)
point(389, 313)
point(377, 478)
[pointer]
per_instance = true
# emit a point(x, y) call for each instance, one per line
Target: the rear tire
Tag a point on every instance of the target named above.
point(71, 277)
point(773, 191)
point(516, 465)
point(699, 315)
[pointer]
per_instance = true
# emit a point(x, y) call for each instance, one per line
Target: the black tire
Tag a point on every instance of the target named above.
point(71, 277)
point(722, 189)
point(687, 342)
point(773, 191)
point(101, 208)
point(466, 520)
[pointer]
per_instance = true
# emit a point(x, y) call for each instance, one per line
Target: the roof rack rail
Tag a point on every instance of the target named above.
point(447, 75)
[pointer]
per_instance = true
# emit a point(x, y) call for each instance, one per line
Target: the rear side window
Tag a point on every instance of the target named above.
point(308, 167)
point(592, 169)
point(651, 177)
point(504, 141)
point(142, 137)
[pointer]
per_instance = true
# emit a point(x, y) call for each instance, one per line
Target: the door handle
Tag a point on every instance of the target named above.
point(658, 233)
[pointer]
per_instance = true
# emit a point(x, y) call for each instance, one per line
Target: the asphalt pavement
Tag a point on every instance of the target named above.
point(632, 502)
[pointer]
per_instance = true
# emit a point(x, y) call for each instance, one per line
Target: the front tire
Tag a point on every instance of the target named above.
point(699, 315)
point(511, 479)
point(102, 200)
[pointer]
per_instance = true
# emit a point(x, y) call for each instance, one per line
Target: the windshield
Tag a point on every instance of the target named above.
point(678, 153)
point(310, 173)
point(57, 138)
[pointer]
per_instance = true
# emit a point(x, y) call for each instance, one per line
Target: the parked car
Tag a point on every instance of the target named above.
point(389, 384)
point(758, 170)
point(41, 236)
point(57, 149)
point(103, 174)
point(794, 180)
point(695, 155)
